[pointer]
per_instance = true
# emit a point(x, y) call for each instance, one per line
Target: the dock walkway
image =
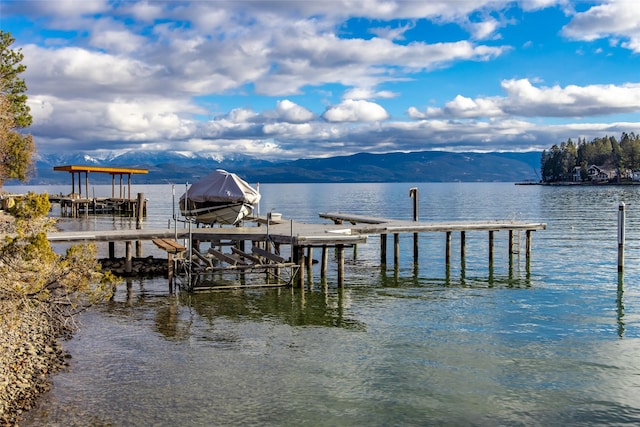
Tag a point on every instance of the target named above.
point(345, 230)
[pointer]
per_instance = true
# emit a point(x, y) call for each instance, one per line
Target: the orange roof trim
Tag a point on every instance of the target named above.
point(101, 169)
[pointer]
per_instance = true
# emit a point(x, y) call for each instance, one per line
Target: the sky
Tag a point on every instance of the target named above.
point(281, 80)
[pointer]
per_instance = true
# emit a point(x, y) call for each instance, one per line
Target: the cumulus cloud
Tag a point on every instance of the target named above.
point(526, 100)
point(290, 112)
point(169, 75)
point(81, 72)
point(615, 19)
point(355, 111)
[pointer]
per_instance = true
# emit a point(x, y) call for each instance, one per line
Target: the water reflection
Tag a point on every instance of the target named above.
point(173, 315)
point(620, 305)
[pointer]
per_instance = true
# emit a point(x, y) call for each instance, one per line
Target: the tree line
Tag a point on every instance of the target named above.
point(559, 163)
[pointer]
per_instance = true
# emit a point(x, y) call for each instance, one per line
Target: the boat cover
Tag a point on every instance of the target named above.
point(222, 186)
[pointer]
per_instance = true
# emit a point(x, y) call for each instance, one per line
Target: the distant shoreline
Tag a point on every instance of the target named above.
point(579, 184)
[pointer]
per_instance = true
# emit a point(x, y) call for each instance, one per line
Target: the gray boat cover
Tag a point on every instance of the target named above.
point(222, 186)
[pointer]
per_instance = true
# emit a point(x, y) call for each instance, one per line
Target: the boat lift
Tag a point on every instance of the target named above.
point(196, 270)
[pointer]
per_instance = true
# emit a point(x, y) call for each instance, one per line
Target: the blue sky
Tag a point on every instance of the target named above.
point(300, 79)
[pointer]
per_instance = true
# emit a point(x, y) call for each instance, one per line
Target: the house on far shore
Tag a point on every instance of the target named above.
point(576, 176)
point(599, 174)
point(595, 174)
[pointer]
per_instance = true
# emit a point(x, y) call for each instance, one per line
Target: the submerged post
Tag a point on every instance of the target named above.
point(621, 237)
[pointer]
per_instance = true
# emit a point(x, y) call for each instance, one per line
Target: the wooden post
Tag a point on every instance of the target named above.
point(621, 236)
point(298, 258)
point(324, 262)
point(413, 193)
point(112, 250)
point(447, 250)
point(170, 270)
point(528, 249)
point(139, 215)
point(86, 185)
point(396, 250)
point(383, 250)
point(491, 247)
point(139, 210)
point(510, 245)
point(309, 260)
point(340, 265)
point(128, 262)
point(463, 244)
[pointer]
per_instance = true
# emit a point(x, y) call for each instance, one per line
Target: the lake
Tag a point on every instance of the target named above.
point(553, 344)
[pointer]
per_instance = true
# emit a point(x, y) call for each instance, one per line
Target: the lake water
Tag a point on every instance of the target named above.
point(555, 344)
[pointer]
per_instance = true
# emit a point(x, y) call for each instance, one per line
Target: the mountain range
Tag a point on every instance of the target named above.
point(424, 166)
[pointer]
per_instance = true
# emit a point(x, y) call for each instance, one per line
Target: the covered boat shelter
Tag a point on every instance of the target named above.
point(121, 172)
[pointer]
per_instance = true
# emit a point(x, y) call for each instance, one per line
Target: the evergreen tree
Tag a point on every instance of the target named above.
point(16, 149)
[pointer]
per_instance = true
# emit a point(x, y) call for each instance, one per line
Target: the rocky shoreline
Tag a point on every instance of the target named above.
point(140, 266)
point(31, 340)
point(31, 351)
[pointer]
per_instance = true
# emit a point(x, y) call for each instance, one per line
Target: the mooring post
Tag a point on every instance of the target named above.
point(621, 236)
point(447, 250)
point(463, 245)
point(383, 250)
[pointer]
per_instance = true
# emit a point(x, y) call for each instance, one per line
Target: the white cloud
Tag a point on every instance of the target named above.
point(526, 100)
point(368, 93)
point(80, 72)
point(288, 130)
point(117, 41)
point(483, 30)
point(145, 11)
point(292, 113)
point(355, 111)
point(135, 75)
point(615, 19)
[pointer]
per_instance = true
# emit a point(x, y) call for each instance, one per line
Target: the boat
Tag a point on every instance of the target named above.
point(221, 197)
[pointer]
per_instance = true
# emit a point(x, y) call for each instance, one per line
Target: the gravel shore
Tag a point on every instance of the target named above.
point(31, 351)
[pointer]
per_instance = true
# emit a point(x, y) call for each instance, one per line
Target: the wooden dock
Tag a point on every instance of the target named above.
point(78, 202)
point(266, 238)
